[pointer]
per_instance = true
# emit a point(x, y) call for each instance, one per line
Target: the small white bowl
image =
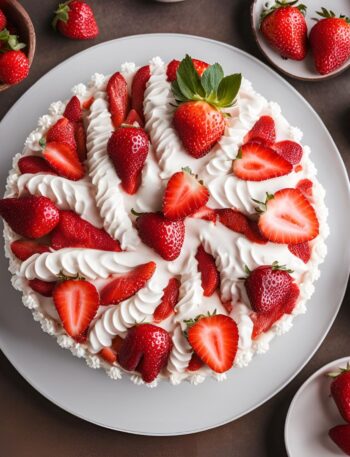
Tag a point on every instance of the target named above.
point(311, 414)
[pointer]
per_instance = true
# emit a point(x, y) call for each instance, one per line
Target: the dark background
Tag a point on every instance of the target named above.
point(29, 424)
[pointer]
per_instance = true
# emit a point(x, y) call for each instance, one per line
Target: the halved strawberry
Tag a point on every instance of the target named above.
point(173, 66)
point(209, 272)
point(205, 213)
point(74, 232)
point(183, 195)
point(215, 341)
point(126, 285)
point(168, 302)
point(138, 89)
point(23, 249)
point(42, 287)
point(73, 111)
point(301, 250)
point(35, 164)
point(263, 131)
point(62, 132)
point(264, 321)
point(256, 162)
point(305, 186)
point(289, 218)
point(76, 302)
point(289, 150)
point(64, 160)
point(195, 363)
point(133, 117)
point(240, 223)
point(118, 99)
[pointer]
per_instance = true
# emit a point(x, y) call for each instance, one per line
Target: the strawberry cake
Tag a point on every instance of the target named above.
point(166, 222)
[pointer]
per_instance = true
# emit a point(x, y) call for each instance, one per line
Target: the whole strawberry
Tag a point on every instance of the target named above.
point(164, 236)
point(145, 349)
point(128, 149)
point(340, 390)
point(14, 67)
point(330, 41)
point(75, 19)
point(199, 120)
point(268, 286)
point(31, 217)
point(3, 20)
point(341, 437)
point(284, 27)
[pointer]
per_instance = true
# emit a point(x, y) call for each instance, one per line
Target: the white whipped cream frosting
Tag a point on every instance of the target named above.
point(99, 199)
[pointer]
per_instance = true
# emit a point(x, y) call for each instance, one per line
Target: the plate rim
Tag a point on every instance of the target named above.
point(344, 175)
point(299, 392)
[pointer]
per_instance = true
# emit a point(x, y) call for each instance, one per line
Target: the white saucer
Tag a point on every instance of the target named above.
point(311, 414)
point(305, 69)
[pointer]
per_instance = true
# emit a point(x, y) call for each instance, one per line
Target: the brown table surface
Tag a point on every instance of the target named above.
point(30, 424)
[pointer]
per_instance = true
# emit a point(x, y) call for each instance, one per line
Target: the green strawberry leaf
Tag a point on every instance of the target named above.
point(178, 95)
point(211, 79)
point(188, 79)
point(228, 90)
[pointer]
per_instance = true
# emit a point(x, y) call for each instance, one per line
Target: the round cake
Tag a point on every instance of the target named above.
point(165, 223)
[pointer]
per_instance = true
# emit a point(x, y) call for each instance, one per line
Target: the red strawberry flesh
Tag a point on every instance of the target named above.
point(168, 302)
point(35, 164)
point(263, 131)
point(209, 273)
point(126, 285)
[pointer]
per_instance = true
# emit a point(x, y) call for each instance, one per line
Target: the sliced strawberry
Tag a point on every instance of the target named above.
point(23, 249)
point(62, 132)
point(173, 66)
point(195, 363)
point(209, 273)
point(183, 195)
point(133, 117)
point(108, 355)
point(240, 223)
point(35, 164)
point(233, 219)
point(289, 150)
point(124, 286)
point(305, 186)
point(74, 232)
point(253, 233)
point(118, 99)
point(228, 305)
point(76, 302)
point(205, 213)
point(80, 138)
point(86, 105)
point(64, 160)
point(215, 341)
point(138, 89)
point(298, 168)
point(264, 321)
point(263, 131)
point(256, 162)
point(42, 287)
point(289, 218)
point(168, 302)
point(73, 111)
point(301, 250)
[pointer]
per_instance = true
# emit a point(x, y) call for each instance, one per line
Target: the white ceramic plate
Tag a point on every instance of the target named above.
point(305, 69)
point(169, 410)
point(311, 414)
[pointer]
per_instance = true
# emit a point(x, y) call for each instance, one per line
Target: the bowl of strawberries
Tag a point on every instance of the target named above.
point(17, 43)
point(305, 39)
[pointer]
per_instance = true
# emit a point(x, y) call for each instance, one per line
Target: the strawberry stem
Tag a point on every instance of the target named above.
point(282, 4)
point(263, 205)
point(335, 374)
point(61, 14)
point(64, 277)
point(326, 14)
point(11, 42)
